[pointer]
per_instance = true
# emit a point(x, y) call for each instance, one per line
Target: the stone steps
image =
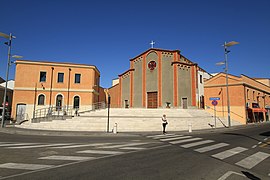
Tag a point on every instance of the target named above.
point(132, 120)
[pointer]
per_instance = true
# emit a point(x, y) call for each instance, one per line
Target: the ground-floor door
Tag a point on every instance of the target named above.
point(152, 100)
point(184, 103)
point(20, 112)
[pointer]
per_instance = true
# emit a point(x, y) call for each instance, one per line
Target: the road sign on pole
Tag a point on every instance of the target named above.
point(214, 102)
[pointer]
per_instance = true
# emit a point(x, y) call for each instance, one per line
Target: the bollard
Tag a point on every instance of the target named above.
point(189, 128)
point(115, 128)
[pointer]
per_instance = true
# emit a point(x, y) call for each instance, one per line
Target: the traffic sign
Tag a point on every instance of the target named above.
point(214, 102)
point(6, 104)
point(214, 98)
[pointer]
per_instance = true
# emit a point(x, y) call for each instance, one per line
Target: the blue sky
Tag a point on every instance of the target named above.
point(109, 33)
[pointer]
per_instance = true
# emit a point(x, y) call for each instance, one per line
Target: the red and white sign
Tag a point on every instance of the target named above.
point(5, 105)
point(214, 102)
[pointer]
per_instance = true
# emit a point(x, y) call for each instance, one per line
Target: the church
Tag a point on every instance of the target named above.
point(159, 78)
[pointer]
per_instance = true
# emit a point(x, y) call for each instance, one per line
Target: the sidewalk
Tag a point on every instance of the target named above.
point(14, 130)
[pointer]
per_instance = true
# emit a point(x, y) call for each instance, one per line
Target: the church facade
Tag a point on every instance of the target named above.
point(160, 78)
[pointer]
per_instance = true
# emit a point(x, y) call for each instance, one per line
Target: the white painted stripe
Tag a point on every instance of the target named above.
point(132, 148)
point(122, 145)
point(159, 135)
point(35, 146)
point(228, 174)
point(100, 152)
point(253, 160)
point(17, 144)
point(80, 145)
point(24, 166)
point(185, 140)
point(212, 147)
point(229, 153)
point(176, 138)
point(67, 158)
point(169, 136)
point(254, 146)
point(196, 143)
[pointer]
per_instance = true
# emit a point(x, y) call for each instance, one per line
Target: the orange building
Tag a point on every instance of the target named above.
point(249, 98)
point(159, 78)
point(41, 85)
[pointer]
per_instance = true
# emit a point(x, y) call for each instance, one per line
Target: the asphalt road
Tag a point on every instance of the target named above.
point(236, 153)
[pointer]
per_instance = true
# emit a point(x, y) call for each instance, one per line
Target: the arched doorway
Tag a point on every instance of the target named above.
point(76, 102)
point(59, 99)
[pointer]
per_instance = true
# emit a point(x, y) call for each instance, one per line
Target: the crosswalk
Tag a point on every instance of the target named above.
point(201, 145)
point(80, 152)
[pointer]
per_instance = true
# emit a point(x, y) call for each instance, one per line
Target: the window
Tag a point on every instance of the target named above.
point(77, 78)
point(60, 78)
point(42, 77)
point(201, 79)
point(253, 95)
point(76, 102)
point(41, 99)
point(247, 93)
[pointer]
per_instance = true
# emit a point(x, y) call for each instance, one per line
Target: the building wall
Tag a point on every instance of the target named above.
point(28, 85)
point(137, 88)
point(167, 78)
point(114, 94)
point(125, 89)
point(242, 92)
point(184, 84)
point(152, 75)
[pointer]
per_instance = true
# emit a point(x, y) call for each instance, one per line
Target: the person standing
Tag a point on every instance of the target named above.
point(164, 123)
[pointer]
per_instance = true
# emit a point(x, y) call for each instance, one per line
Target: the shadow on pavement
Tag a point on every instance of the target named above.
point(265, 133)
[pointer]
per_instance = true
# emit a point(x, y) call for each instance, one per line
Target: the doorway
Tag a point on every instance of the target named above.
point(184, 103)
point(20, 112)
point(152, 100)
point(59, 99)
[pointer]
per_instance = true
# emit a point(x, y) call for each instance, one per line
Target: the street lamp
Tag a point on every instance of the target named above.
point(226, 51)
point(9, 37)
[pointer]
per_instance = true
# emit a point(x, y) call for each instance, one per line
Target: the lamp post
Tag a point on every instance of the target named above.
point(226, 51)
point(9, 37)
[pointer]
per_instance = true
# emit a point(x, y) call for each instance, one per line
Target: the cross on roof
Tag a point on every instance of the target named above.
point(152, 44)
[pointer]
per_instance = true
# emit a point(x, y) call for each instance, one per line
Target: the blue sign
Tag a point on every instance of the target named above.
point(214, 98)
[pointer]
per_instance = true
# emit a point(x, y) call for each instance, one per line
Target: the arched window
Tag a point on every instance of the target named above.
point(76, 102)
point(41, 99)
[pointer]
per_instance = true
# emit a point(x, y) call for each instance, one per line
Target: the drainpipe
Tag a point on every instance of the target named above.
point(51, 87)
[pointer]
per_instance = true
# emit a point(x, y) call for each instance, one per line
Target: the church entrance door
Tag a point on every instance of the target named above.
point(152, 100)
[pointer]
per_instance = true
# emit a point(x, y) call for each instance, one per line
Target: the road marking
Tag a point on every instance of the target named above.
point(67, 158)
point(175, 138)
point(169, 136)
point(81, 145)
point(24, 166)
point(132, 148)
point(160, 135)
point(122, 145)
point(229, 153)
point(265, 139)
point(185, 140)
point(36, 146)
point(210, 148)
point(75, 162)
point(100, 152)
point(227, 174)
point(196, 143)
point(253, 160)
point(17, 144)
point(253, 147)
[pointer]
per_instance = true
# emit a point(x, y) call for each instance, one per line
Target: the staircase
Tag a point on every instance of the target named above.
point(132, 120)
